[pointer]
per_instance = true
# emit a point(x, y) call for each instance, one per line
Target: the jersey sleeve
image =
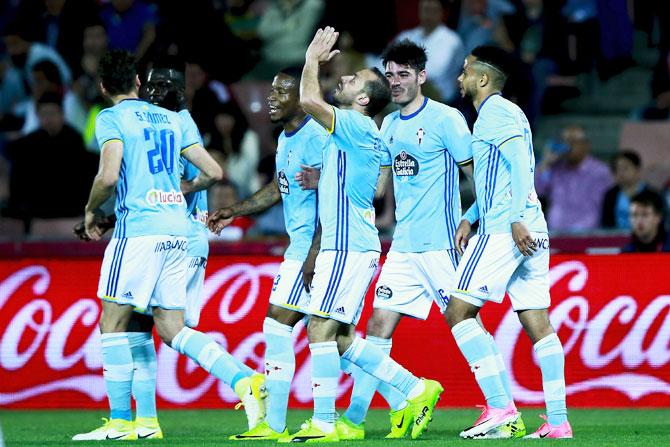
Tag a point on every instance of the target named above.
point(314, 154)
point(190, 133)
point(386, 151)
point(508, 125)
point(458, 139)
point(349, 124)
point(107, 128)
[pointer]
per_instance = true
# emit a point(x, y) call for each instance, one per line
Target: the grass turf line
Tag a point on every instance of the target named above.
point(619, 428)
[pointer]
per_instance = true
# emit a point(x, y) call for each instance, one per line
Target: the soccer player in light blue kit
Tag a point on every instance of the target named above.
point(349, 252)
point(509, 253)
point(144, 264)
point(427, 142)
point(301, 143)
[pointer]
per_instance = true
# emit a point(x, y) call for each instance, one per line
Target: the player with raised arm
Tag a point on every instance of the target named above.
point(509, 253)
point(145, 262)
point(301, 143)
point(349, 246)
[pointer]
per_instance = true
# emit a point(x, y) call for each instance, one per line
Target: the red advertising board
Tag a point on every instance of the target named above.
point(611, 312)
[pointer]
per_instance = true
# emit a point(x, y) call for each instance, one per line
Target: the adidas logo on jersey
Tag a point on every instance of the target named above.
point(484, 289)
point(340, 310)
point(128, 295)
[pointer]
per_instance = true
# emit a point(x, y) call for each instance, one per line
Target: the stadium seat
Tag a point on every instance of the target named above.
point(650, 140)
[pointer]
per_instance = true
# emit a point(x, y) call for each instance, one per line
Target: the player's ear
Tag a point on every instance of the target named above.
point(103, 90)
point(421, 77)
point(137, 82)
point(484, 80)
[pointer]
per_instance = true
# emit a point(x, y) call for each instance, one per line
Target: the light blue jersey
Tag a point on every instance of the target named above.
point(425, 149)
point(351, 163)
point(502, 125)
point(196, 202)
point(149, 199)
point(303, 146)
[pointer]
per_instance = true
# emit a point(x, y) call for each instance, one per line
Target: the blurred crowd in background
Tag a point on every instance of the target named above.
point(566, 50)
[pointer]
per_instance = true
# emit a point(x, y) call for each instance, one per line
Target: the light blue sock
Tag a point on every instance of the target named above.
point(502, 370)
point(550, 354)
point(279, 370)
point(325, 376)
point(144, 377)
point(207, 353)
point(475, 345)
point(371, 359)
point(117, 370)
point(365, 386)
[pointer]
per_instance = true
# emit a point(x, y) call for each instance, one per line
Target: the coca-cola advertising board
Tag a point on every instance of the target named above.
point(612, 314)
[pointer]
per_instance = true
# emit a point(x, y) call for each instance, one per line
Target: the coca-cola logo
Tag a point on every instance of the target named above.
point(587, 332)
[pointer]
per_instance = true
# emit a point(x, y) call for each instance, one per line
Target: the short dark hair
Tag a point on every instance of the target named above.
point(378, 91)
point(629, 155)
point(50, 71)
point(405, 52)
point(117, 71)
point(649, 198)
point(294, 72)
point(50, 98)
point(169, 62)
point(498, 60)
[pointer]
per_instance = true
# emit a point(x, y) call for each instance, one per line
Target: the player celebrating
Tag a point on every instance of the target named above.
point(350, 246)
point(427, 141)
point(145, 263)
point(509, 253)
point(300, 144)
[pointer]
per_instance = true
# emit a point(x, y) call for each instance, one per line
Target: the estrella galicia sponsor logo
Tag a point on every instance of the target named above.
point(171, 245)
point(157, 197)
point(384, 292)
point(404, 165)
point(282, 182)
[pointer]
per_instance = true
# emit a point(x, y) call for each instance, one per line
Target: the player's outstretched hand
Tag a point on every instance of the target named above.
point(462, 236)
point(523, 239)
point(220, 220)
point(308, 178)
point(322, 44)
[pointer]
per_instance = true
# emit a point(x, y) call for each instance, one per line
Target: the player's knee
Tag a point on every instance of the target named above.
point(379, 327)
point(343, 342)
point(284, 316)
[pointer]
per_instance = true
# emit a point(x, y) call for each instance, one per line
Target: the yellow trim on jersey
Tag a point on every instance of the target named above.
point(510, 139)
point(322, 314)
point(465, 162)
point(465, 292)
point(291, 306)
point(332, 124)
point(385, 167)
point(187, 148)
point(111, 139)
point(109, 298)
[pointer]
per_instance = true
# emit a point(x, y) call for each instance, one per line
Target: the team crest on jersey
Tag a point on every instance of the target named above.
point(282, 182)
point(405, 166)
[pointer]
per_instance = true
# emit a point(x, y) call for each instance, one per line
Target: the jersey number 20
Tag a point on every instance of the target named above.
point(161, 156)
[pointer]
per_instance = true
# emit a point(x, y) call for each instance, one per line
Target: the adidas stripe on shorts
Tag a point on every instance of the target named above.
point(145, 271)
point(409, 283)
point(493, 265)
point(341, 280)
point(287, 290)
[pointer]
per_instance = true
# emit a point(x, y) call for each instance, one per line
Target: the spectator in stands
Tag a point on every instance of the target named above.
point(444, 47)
point(46, 78)
point(626, 167)
point(646, 221)
point(221, 195)
point(660, 90)
point(53, 153)
point(572, 182)
point(242, 17)
point(130, 25)
point(286, 28)
point(480, 24)
point(24, 53)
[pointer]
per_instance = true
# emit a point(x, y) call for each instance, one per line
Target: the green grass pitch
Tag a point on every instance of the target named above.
point(618, 428)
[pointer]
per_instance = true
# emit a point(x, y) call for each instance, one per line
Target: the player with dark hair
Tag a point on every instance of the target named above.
point(428, 142)
point(301, 143)
point(509, 253)
point(349, 245)
point(145, 262)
